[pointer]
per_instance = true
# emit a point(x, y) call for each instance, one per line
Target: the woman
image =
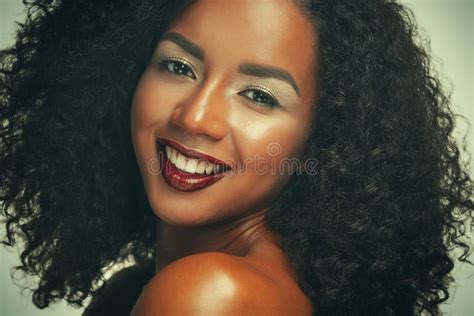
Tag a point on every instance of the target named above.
point(285, 157)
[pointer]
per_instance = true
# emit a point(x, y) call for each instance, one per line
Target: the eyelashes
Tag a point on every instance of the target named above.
point(179, 67)
point(260, 95)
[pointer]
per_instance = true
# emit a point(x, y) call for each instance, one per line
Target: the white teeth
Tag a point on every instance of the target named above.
point(201, 167)
point(209, 168)
point(174, 154)
point(190, 165)
point(180, 162)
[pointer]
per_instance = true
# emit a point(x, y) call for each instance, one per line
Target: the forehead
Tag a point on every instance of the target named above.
point(273, 32)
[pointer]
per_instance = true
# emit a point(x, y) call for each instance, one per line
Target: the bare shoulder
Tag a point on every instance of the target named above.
point(213, 283)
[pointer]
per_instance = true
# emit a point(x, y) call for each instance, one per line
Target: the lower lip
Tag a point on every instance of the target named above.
point(183, 181)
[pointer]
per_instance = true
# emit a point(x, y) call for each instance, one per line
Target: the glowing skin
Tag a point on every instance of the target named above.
point(208, 114)
point(210, 100)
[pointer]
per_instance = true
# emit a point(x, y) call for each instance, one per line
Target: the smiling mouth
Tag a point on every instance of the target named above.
point(187, 170)
point(192, 161)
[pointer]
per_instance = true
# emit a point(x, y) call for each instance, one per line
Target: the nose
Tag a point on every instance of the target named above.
point(203, 112)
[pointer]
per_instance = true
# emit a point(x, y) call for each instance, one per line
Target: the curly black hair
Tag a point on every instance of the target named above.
point(374, 232)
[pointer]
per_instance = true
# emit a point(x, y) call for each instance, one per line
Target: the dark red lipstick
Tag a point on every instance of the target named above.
point(182, 180)
point(194, 154)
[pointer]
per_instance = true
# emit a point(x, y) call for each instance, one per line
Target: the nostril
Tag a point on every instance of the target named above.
point(203, 112)
point(212, 126)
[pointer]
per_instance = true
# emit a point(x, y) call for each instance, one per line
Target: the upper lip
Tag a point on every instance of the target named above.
point(193, 154)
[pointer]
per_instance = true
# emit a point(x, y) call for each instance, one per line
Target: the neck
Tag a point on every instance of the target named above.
point(233, 237)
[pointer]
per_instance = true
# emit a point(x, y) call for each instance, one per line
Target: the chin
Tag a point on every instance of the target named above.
point(184, 213)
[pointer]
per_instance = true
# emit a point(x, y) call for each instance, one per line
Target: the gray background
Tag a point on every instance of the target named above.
point(449, 25)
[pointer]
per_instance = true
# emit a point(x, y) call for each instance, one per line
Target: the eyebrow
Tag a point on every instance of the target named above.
point(269, 72)
point(184, 43)
point(256, 70)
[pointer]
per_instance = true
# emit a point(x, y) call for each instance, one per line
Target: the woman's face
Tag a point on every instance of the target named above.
point(234, 80)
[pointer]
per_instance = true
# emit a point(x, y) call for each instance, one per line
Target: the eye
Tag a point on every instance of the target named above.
point(176, 67)
point(261, 97)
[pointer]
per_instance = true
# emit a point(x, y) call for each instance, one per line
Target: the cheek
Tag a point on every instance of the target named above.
point(154, 101)
point(145, 115)
point(265, 146)
point(145, 103)
point(263, 178)
point(277, 136)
